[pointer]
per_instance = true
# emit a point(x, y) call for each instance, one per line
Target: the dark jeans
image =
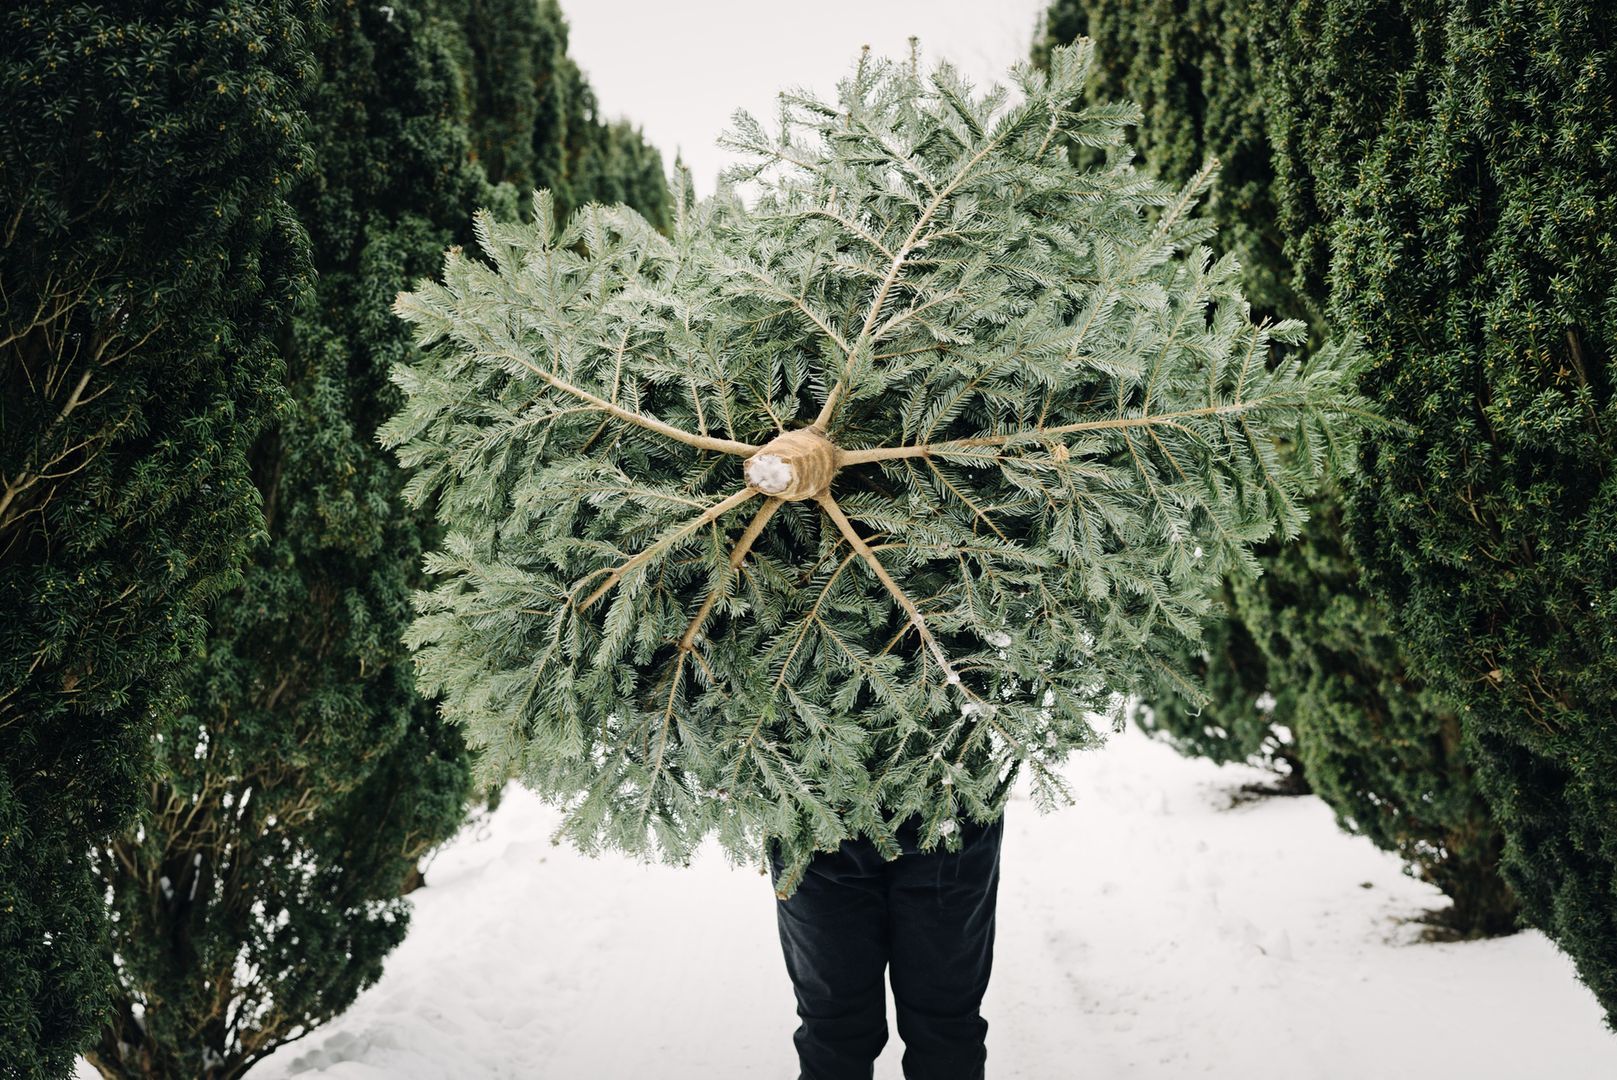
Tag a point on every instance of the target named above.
point(930, 916)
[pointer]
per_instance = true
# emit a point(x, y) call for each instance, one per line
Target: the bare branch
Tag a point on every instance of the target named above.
point(823, 421)
point(1119, 423)
point(755, 528)
point(701, 442)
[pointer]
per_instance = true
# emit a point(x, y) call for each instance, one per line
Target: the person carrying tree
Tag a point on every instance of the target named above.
point(821, 522)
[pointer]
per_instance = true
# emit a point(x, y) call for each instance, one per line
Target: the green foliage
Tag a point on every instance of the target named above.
point(512, 52)
point(1303, 668)
point(621, 167)
point(1382, 748)
point(534, 117)
point(305, 779)
point(1196, 72)
point(1231, 716)
point(1055, 428)
point(1196, 69)
point(1449, 172)
point(147, 255)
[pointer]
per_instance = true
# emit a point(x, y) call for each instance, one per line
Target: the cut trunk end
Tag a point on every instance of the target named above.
point(794, 466)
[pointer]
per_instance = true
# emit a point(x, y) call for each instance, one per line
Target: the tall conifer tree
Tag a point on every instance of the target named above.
point(1449, 174)
point(305, 778)
point(1304, 666)
point(147, 254)
point(535, 121)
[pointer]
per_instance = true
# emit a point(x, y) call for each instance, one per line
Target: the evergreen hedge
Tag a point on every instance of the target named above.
point(534, 118)
point(1380, 746)
point(1449, 171)
point(147, 253)
point(1304, 670)
point(1195, 70)
point(305, 778)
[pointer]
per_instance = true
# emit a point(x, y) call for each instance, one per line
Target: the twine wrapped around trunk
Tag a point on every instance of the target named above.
point(795, 465)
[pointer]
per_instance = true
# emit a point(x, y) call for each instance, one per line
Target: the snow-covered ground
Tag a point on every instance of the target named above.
point(1151, 931)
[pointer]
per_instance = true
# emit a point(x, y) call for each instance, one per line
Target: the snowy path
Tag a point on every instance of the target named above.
point(1148, 932)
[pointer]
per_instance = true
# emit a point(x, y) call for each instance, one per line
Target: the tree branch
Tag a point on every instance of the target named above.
point(701, 442)
point(755, 528)
point(855, 541)
point(890, 453)
point(712, 513)
point(823, 421)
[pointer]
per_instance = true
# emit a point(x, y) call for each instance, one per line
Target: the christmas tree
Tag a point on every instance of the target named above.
point(856, 502)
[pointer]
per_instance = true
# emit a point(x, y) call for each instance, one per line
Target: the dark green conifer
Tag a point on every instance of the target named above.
point(147, 255)
point(535, 122)
point(305, 779)
point(1381, 747)
point(1449, 171)
point(509, 55)
point(1196, 69)
point(1304, 668)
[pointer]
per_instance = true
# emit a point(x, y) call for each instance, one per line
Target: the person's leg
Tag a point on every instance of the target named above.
point(941, 924)
point(833, 931)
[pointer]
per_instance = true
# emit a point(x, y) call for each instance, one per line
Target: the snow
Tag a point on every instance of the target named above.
point(1151, 931)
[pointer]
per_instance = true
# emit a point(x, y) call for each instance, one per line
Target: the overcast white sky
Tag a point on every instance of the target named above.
point(680, 69)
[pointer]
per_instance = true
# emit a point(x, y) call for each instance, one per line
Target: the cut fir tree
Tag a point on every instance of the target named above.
point(855, 503)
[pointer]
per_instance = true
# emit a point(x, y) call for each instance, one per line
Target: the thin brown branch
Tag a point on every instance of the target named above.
point(662, 734)
point(713, 512)
point(812, 615)
point(1119, 423)
point(27, 478)
point(852, 226)
point(798, 302)
point(823, 421)
point(701, 442)
point(804, 624)
point(855, 541)
point(744, 544)
point(963, 497)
